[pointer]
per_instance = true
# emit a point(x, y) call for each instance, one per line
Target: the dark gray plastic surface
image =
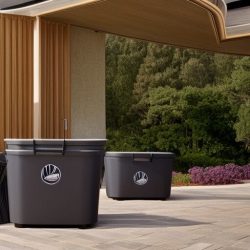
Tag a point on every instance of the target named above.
point(57, 144)
point(4, 204)
point(73, 200)
point(140, 154)
point(122, 171)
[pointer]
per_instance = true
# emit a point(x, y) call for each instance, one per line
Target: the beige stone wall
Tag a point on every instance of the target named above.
point(88, 84)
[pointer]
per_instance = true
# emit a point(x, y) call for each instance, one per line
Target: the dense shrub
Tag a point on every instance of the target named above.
point(185, 162)
point(227, 174)
point(120, 140)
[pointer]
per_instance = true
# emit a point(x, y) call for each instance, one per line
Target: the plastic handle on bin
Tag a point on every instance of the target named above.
point(143, 157)
point(50, 150)
point(65, 125)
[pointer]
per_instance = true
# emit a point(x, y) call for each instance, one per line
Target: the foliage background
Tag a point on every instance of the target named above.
point(192, 103)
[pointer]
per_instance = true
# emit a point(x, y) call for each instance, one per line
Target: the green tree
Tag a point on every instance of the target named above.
point(194, 73)
point(241, 78)
point(224, 66)
point(182, 100)
point(243, 125)
point(210, 120)
point(156, 70)
point(163, 122)
point(123, 59)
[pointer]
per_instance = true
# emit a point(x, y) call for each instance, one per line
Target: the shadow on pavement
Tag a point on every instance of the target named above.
point(186, 196)
point(140, 220)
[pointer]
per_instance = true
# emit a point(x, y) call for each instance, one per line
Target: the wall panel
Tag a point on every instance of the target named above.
point(16, 77)
point(88, 114)
point(55, 79)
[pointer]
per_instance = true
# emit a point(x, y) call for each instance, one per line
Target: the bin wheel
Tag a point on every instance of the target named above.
point(20, 225)
point(87, 226)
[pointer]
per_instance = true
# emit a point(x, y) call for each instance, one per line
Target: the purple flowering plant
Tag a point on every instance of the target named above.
point(227, 174)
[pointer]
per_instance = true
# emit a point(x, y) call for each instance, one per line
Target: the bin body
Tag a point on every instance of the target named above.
point(54, 182)
point(4, 204)
point(138, 175)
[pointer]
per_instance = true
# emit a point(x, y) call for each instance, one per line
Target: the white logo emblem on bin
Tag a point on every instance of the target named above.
point(50, 174)
point(140, 178)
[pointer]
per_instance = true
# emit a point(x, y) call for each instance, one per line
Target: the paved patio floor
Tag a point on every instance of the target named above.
point(194, 218)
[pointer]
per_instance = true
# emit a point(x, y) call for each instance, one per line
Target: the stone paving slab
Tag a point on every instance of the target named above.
point(195, 218)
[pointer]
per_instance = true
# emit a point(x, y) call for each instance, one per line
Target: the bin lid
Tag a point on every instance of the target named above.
point(69, 142)
point(140, 154)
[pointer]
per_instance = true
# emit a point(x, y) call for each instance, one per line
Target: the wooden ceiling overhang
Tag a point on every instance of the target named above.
point(186, 23)
point(196, 24)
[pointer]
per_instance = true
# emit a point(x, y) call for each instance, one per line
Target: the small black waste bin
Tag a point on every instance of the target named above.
point(4, 204)
point(54, 182)
point(133, 175)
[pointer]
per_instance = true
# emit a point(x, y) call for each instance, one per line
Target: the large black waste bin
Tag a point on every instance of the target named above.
point(4, 205)
point(54, 182)
point(138, 175)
